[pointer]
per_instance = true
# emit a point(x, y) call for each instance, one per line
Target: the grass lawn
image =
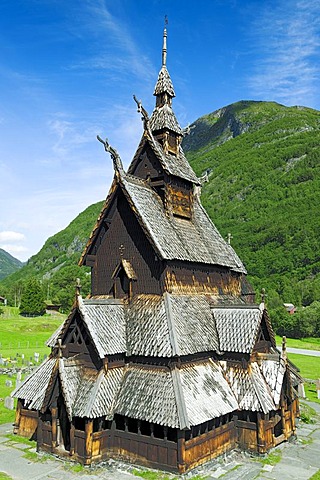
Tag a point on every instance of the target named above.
point(309, 369)
point(4, 476)
point(20, 335)
point(26, 335)
point(310, 343)
point(309, 366)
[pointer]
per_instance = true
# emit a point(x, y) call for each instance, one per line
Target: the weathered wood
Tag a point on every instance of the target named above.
point(54, 414)
point(181, 451)
point(261, 440)
point(72, 439)
point(17, 416)
point(190, 279)
point(39, 432)
point(210, 445)
point(88, 440)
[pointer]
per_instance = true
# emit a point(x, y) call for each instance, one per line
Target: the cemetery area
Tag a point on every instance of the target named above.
point(22, 347)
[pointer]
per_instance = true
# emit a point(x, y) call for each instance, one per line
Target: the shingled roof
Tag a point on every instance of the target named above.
point(176, 165)
point(34, 387)
point(164, 83)
point(173, 324)
point(250, 388)
point(176, 238)
point(238, 326)
point(178, 397)
point(163, 117)
point(102, 318)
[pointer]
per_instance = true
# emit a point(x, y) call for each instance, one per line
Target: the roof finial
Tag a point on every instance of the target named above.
point(164, 47)
point(117, 163)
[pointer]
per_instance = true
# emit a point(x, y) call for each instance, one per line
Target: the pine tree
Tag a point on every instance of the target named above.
point(32, 300)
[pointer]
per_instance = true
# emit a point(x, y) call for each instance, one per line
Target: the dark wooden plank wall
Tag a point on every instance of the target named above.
point(148, 165)
point(125, 239)
point(178, 200)
point(247, 435)
point(145, 450)
point(28, 424)
point(183, 278)
point(209, 445)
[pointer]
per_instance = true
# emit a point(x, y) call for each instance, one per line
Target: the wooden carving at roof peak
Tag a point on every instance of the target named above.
point(117, 162)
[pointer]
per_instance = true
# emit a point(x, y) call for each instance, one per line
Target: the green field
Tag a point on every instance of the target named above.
point(310, 343)
point(20, 335)
point(309, 369)
point(26, 335)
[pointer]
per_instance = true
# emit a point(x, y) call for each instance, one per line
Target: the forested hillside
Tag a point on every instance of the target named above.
point(263, 166)
point(8, 264)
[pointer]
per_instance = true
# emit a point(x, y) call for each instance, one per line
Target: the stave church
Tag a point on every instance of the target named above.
point(169, 362)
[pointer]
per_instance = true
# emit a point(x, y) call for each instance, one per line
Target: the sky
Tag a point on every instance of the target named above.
point(69, 69)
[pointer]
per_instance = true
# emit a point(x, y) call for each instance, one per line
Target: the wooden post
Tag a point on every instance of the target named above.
point(88, 432)
point(181, 451)
point(54, 414)
point(17, 417)
point(293, 418)
point(318, 388)
point(72, 432)
point(261, 441)
point(39, 432)
point(283, 418)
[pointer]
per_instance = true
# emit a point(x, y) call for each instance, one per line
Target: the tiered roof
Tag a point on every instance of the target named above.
point(176, 397)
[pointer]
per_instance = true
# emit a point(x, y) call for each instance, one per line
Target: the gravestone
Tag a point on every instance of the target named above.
point(1, 361)
point(318, 387)
point(9, 403)
point(301, 391)
point(9, 383)
point(19, 375)
point(36, 357)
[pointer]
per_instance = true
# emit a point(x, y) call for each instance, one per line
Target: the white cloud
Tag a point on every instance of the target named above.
point(116, 50)
point(11, 242)
point(10, 236)
point(13, 249)
point(288, 45)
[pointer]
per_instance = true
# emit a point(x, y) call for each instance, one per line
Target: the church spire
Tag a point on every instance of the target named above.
point(163, 122)
point(164, 48)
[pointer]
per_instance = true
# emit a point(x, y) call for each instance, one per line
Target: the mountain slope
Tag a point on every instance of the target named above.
point(8, 264)
point(263, 165)
point(56, 264)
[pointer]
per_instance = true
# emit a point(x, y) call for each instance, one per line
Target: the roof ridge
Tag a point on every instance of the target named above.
point(94, 392)
point(171, 325)
point(180, 401)
point(253, 371)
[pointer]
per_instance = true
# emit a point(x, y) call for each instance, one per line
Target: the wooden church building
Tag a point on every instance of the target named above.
point(168, 363)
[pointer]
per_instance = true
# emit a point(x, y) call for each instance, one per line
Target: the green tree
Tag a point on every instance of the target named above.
point(32, 300)
point(63, 285)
